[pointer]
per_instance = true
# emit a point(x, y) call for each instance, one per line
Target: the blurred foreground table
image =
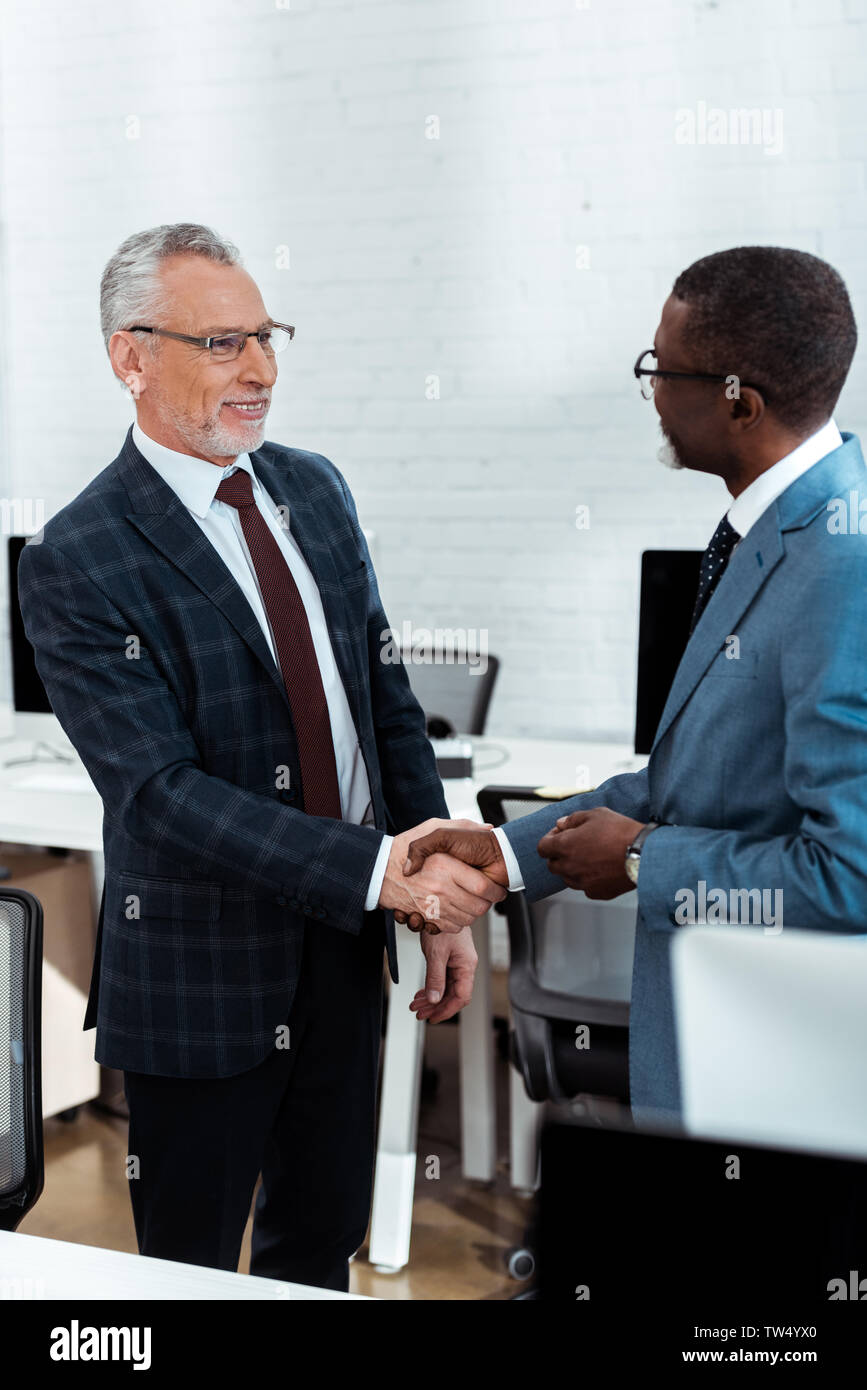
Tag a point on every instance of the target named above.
point(33, 1267)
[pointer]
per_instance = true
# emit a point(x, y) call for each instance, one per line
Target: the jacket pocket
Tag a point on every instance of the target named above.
point(356, 577)
point(180, 899)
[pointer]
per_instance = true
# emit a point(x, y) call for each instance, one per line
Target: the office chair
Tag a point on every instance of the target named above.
point(570, 977)
point(21, 1157)
point(567, 969)
point(454, 694)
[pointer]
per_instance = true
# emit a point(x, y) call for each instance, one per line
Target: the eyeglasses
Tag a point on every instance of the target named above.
point(272, 338)
point(648, 376)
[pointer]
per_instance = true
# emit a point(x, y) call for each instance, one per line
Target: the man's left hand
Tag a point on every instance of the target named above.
point(451, 966)
point(588, 851)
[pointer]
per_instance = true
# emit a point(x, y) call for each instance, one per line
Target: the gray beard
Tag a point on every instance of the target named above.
point(667, 454)
point(217, 438)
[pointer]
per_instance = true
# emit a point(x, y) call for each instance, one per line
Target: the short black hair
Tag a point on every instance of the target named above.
point(777, 318)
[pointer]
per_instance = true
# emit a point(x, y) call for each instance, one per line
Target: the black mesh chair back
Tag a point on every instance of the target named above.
point(454, 690)
point(21, 1162)
point(570, 979)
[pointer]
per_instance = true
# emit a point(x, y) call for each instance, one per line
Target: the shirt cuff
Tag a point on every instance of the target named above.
point(515, 880)
point(374, 889)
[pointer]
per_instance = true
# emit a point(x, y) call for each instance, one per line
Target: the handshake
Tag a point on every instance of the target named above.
point(443, 874)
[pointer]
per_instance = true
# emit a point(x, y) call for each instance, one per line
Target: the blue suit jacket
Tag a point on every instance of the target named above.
point(759, 763)
point(161, 677)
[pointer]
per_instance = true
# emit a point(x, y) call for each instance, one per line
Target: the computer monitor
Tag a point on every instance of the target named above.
point(28, 692)
point(650, 1220)
point(669, 584)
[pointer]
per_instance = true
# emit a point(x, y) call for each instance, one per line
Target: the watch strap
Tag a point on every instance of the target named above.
point(636, 846)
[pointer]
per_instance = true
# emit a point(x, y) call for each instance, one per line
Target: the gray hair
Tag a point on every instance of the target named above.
point(130, 290)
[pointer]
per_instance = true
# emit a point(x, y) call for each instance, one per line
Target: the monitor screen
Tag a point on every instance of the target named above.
point(657, 1219)
point(28, 691)
point(669, 584)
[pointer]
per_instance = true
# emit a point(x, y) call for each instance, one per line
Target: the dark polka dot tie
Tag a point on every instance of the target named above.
point(713, 563)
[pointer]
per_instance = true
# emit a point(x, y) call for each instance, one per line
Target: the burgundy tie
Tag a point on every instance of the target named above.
point(295, 650)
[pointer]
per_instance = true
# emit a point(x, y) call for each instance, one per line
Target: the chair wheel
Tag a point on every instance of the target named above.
point(520, 1262)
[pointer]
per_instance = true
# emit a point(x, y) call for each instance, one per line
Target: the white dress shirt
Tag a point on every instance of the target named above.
point(746, 509)
point(743, 514)
point(196, 481)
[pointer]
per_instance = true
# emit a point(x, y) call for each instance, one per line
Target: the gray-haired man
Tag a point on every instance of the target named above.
point(207, 622)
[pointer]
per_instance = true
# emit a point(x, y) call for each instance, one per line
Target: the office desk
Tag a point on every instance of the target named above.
point(55, 803)
point(497, 761)
point(35, 1267)
point(44, 802)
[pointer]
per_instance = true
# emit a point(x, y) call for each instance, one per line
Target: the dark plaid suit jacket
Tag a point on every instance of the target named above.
point(161, 677)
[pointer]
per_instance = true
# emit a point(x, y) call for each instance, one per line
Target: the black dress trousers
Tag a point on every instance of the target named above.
point(304, 1118)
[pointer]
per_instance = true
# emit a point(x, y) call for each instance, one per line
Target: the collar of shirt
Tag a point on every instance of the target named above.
point(746, 509)
point(194, 480)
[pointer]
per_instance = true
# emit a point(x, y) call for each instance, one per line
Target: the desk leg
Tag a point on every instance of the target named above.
point(394, 1181)
point(525, 1121)
point(97, 878)
point(478, 1090)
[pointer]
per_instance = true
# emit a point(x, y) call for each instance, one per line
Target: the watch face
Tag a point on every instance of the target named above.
point(632, 862)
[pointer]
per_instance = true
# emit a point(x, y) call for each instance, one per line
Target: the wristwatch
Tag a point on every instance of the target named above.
point(633, 852)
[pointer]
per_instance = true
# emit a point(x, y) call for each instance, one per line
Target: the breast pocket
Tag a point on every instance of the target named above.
point(355, 578)
point(745, 666)
point(354, 593)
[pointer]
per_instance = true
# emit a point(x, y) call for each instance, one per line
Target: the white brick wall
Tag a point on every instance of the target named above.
point(410, 256)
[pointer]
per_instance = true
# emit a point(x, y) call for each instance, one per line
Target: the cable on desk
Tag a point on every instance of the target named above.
point(490, 767)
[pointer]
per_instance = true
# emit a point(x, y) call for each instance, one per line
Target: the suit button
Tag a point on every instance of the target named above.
point(321, 913)
point(281, 901)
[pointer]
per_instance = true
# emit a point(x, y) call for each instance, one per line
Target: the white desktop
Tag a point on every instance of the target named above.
point(36, 755)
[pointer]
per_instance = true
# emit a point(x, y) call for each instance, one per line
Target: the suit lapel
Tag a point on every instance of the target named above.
point(755, 558)
point(163, 519)
point(159, 514)
point(753, 561)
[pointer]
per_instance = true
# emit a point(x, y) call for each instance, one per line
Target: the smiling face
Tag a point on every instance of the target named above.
point(187, 401)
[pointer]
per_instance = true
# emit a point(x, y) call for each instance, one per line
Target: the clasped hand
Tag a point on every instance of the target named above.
point(441, 895)
point(587, 849)
point(442, 875)
point(457, 868)
point(428, 888)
